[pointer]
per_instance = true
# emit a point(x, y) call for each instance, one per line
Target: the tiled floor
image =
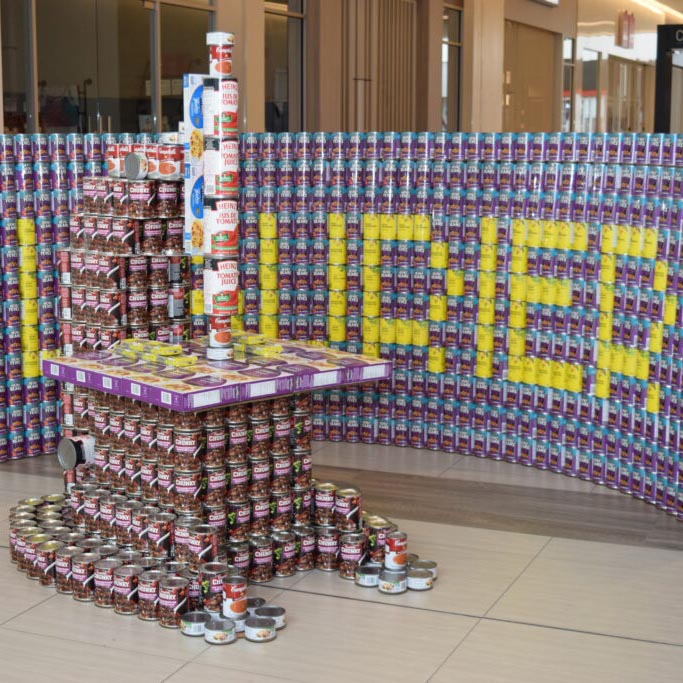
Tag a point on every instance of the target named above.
point(507, 606)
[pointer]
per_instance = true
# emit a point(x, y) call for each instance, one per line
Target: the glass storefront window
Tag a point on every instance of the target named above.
point(183, 50)
point(14, 65)
point(284, 65)
point(101, 80)
point(590, 90)
point(451, 46)
point(568, 84)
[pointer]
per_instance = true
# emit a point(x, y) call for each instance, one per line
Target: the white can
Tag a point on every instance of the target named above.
point(395, 551)
point(260, 629)
point(220, 102)
point(220, 632)
point(221, 231)
point(220, 52)
point(221, 167)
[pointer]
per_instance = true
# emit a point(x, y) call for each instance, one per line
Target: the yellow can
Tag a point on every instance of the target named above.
point(371, 304)
point(336, 226)
point(656, 337)
point(267, 226)
point(617, 359)
point(28, 286)
point(268, 276)
point(27, 259)
point(573, 379)
point(455, 283)
point(515, 368)
point(370, 329)
point(336, 326)
point(643, 365)
point(420, 332)
point(653, 391)
point(268, 326)
point(371, 349)
point(371, 226)
point(404, 332)
point(237, 323)
point(371, 252)
point(533, 233)
point(269, 301)
point(436, 359)
point(371, 279)
point(517, 314)
point(387, 330)
point(529, 370)
point(337, 303)
point(196, 302)
point(602, 379)
point(485, 338)
point(487, 257)
point(422, 228)
point(240, 302)
point(29, 311)
point(405, 227)
point(388, 226)
point(337, 277)
point(438, 307)
point(337, 252)
point(518, 260)
point(489, 230)
point(30, 361)
point(630, 361)
point(29, 338)
point(516, 342)
point(268, 251)
point(26, 231)
point(439, 255)
point(484, 364)
point(543, 372)
point(558, 375)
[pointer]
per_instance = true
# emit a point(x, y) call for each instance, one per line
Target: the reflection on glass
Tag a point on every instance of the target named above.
point(100, 80)
point(450, 70)
point(14, 76)
point(183, 50)
point(284, 68)
point(590, 91)
point(567, 84)
point(625, 100)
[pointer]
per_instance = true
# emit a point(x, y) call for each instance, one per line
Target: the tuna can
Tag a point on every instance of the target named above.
point(428, 565)
point(220, 632)
point(367, 575)
point(392, 582)
point(260, 629)
point(194, 623)
point(277, 614)
point(420, 579)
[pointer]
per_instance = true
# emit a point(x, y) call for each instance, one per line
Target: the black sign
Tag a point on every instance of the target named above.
point(669, 38)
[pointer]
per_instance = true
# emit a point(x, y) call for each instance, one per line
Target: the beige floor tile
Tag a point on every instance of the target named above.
point(475, 569)
point(201, 672)
point(86, 623)
point(18, 593)
point(27, 657)
point(600, 587)
point(471, 468)
point(506, 653)
point(333, 640)
point(383, 458)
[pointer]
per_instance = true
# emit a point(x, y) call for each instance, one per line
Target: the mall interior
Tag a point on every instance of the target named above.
point(460, 257)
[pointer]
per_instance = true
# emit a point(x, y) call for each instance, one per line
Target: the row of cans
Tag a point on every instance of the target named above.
point(52, 230)
point(28, 443)
point(625, 148)
point(88, 268)
point(34, 204)
point(653, 181)
point(33, 415)
point(78, 336)
point(623, 209)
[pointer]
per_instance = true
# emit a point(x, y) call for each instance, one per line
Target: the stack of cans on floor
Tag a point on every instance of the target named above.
point(526, 287)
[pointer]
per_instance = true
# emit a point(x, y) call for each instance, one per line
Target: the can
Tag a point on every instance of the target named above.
point(220, 45)
point(234, 596)
point(221, 228)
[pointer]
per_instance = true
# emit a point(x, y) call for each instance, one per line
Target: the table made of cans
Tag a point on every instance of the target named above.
point(211, 384)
